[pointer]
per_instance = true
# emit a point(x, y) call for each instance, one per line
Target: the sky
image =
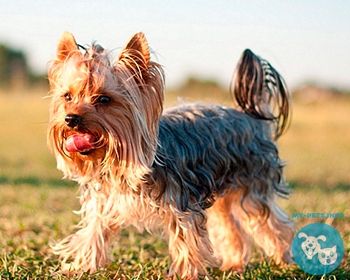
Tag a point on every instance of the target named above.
point(307, 41)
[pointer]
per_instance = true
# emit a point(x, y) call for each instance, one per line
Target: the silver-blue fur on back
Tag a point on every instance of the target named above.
point(206, 149)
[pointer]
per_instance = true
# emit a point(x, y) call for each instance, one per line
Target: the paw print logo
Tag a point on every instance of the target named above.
point(318, 248)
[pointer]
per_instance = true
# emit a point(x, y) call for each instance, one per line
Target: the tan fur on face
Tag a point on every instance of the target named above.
point(136, 86)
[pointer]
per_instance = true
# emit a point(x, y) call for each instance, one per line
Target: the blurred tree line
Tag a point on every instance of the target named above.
point(196, 89)
point(15, 74)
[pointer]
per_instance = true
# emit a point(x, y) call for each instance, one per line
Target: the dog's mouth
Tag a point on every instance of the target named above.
point(80, 142)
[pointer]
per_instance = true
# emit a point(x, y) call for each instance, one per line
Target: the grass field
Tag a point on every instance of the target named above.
point(36, 205)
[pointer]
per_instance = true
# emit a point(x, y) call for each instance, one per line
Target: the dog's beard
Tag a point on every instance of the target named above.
point(113, 145)
point(84, 162)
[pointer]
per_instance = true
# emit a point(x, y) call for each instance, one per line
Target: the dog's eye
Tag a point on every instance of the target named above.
point(103, 100)
point(68, 97)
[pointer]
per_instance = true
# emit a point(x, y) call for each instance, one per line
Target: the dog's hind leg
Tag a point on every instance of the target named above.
point(263, 220)
point(274, 234)
point(234, 221)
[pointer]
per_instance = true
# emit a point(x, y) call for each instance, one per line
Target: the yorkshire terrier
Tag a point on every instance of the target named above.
point(208, 175)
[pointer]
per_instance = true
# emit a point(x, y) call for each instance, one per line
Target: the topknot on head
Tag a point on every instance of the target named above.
point(93, 52)
point(69, 48)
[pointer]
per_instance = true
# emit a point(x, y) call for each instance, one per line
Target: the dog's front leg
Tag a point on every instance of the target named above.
point(87, 249)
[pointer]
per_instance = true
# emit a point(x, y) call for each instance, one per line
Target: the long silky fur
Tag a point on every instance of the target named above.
point(261, 91)
point(207, 175)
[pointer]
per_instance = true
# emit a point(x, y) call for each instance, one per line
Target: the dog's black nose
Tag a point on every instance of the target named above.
point(72, 120)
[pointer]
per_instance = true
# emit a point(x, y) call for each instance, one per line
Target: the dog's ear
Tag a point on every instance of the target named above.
point(302, 234)
point(66, 45)
point(322, 237)
point(135, 55)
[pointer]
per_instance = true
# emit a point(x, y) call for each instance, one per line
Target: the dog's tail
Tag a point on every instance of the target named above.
point(261, 92)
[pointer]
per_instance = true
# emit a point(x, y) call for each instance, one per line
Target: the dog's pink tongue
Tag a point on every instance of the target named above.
point(79, 143)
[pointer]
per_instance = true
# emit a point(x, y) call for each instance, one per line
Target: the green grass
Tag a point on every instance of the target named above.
point(36, 205)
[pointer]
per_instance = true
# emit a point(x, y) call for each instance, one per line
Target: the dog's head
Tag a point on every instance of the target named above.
point(311, 242)
point(104, 113)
